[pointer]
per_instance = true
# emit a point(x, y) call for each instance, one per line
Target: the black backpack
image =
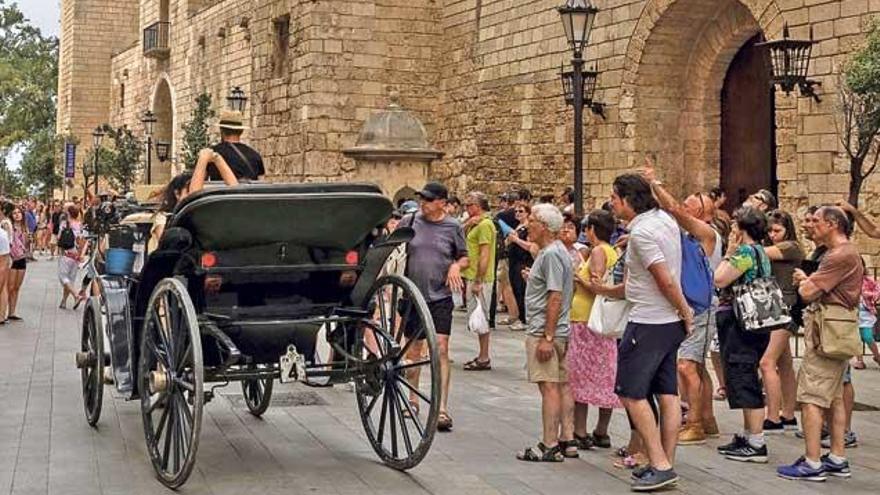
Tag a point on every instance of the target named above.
point(66, 239)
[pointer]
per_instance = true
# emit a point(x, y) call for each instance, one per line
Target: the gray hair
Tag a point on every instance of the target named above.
point(549, 215)
point(478, 198)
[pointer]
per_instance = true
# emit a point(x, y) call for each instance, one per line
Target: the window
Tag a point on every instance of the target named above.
point(282, 44)
point(122, 95)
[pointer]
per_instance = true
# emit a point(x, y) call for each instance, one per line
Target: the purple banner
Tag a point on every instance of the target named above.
point(69, 161)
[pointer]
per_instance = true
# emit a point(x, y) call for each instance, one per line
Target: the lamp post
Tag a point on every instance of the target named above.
point(790, 62)
point(236, 100)
point(97, 135)
point(577, 21)
point(149, 120)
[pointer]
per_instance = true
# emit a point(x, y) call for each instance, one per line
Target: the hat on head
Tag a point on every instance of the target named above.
point(231, 120)
point(768, 198)
point(434, 190)
point(408, 207)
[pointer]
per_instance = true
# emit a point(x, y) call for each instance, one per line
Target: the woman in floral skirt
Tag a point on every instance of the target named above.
point(592, 358)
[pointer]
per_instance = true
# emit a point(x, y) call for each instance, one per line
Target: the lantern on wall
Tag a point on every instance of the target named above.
point(577, 20)
point(163, 150)
point(589, 89)
point(236, 100)
point(790, 63)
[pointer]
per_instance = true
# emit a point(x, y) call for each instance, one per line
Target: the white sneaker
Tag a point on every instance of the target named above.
point(518, 326)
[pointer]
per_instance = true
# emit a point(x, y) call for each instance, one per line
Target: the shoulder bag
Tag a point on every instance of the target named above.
point(758, 305)
point(609, 316)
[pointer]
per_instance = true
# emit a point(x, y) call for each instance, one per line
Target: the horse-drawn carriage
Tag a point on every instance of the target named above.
point(246, 285)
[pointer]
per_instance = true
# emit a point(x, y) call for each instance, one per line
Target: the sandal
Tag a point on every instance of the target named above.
point(444, 422)
point(630, 462)
point(583, 443)
point(622, 452)
point(476, 365)
point(601, 441)
point(858, 365)
point(415, 409)
point(569, 449)
point(720, 394)
point(14, 318)
point(540, 453)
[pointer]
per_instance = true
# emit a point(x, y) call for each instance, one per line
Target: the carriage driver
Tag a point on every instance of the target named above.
point(435, 258)
point(245, 162)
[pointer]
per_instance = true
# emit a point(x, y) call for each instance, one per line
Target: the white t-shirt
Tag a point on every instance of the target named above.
point(654, 238)
point(4, 242)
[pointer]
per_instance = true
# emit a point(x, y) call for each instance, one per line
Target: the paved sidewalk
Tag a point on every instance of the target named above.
point(47, 447)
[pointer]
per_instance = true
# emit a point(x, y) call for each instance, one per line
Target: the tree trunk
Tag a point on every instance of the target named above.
point(855, 181)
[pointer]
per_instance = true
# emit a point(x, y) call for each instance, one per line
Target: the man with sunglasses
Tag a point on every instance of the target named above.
point(436, 257)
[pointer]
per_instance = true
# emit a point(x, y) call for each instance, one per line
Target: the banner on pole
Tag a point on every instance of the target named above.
point(69, 160)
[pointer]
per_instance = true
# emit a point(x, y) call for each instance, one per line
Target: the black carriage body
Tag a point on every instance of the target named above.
point(266, 265)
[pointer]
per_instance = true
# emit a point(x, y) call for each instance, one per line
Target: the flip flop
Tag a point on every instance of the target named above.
point(476, 365)
point(444, 422)
point(540, 453)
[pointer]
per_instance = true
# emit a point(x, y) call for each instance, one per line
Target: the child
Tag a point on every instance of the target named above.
point(868, 318)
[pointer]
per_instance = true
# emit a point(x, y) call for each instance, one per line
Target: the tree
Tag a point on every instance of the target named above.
point(38, 165)
point(28, 93)
point(195, 132)
point(106, 162)
point(126, 160)
point(859, 123)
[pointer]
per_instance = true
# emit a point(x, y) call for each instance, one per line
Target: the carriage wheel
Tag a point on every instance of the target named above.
point(257, 394)
point(399, 400)
point(90, 360)
point(170, 382)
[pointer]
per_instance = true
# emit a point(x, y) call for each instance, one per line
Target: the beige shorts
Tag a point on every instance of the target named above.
point(503, 274)
point(553, 370)
point(820, 379)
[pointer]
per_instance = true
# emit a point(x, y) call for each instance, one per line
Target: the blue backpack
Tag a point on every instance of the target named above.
point(697, 280)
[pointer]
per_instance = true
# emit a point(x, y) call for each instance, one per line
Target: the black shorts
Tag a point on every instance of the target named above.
point(19, 264)
point(741, 354)
point(646, 360)
point(441, 313)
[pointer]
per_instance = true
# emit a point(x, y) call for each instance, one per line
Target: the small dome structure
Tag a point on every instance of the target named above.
point(393, 134)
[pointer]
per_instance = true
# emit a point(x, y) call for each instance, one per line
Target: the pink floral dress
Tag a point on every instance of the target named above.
point(591, 358)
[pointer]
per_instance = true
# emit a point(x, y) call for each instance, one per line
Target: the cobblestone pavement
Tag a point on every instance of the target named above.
point(47, 447)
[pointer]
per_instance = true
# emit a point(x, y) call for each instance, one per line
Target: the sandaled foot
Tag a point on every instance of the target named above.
point(859, 365)
point(569, 449)
point(444, 422)
point(622, 452)
point(414, 407)
point(583, 442)
point(601, 441)
point(476, 365)
point(14, 317)
point(541, 453)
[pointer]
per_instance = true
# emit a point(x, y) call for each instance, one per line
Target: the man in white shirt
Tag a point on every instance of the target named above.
point(658, 322)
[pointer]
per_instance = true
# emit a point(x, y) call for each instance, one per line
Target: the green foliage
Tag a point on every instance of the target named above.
point(38, 167)
point(106, 162)
point(119, 159)
point(28, 93)
point(195, 132)
point(862, 73)
point(10, 181)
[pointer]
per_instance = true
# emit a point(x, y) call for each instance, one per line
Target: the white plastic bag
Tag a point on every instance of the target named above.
point(478, 323)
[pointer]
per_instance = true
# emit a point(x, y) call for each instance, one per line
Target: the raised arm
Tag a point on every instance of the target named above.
point(200, 173)
point(864, 222)
point(701, 230)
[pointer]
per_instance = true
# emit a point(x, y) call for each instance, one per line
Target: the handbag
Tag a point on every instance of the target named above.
point(835, 331)
point(759, 305)
point(609, 315)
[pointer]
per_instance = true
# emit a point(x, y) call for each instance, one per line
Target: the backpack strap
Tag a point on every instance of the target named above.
point(244, 159)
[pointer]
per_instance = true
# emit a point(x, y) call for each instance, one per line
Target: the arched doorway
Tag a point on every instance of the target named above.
point(677, 62)
point(748, 158)
point(163, 130)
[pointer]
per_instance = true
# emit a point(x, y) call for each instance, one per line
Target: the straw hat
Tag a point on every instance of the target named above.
point(231, 120)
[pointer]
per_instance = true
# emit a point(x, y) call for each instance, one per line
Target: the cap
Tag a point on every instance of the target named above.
point(434, 190)
point(408, 207)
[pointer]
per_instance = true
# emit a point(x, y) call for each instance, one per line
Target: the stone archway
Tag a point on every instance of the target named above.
point(675, 69)
point(163, 106)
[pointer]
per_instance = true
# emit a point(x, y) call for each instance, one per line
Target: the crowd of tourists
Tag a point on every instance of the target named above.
point(623, 308)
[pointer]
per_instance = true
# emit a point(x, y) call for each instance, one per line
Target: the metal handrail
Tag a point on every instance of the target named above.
point(157, 36)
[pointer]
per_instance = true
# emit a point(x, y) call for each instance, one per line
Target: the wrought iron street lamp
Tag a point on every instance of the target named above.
point(577, 21)
point(790, 62)
point(163, 149)
point(237, 100)
point(149, 121)
point(97, 135)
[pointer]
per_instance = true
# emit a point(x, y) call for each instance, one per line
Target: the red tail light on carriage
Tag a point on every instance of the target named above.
point(209, 260)
point(352, 258)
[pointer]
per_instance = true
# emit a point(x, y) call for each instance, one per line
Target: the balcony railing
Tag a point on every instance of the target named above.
point(156, 38)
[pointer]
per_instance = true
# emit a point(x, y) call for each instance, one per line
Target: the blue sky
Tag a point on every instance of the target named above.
point(45, 15)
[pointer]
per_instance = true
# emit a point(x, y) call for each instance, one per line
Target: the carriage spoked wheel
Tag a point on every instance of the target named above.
point(170, 382)
point(90, 361)
point(257, 393)
point(399, 395)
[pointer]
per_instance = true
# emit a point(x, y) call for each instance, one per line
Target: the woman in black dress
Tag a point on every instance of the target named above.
point(520, 256)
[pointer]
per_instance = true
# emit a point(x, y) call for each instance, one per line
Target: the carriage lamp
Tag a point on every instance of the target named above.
point(163, 149)
point(589, 89)
point(149, 120)
point(237, 100)
point(790, 62)
point(577, 21)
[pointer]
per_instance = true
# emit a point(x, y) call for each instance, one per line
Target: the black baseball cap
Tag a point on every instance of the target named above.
point(434, 190)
